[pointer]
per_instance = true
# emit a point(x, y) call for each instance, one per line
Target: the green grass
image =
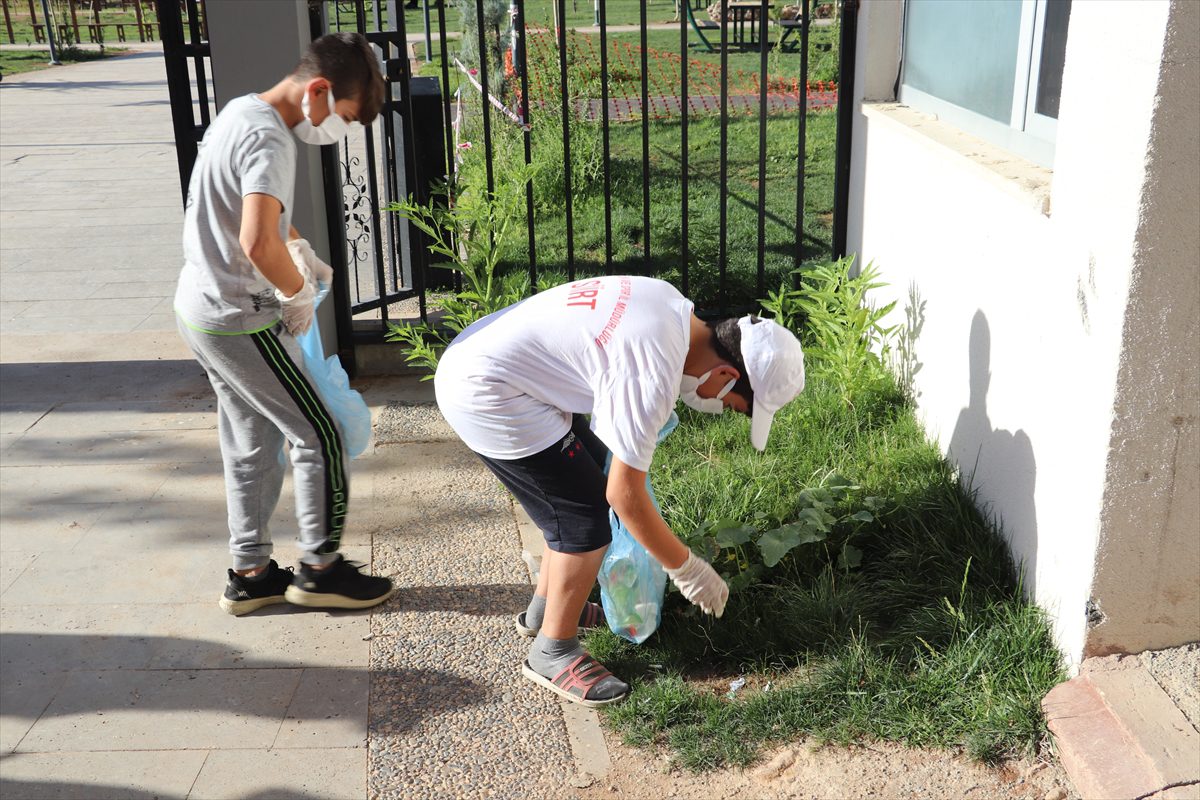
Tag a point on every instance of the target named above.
point(13, 62)
point(741, 229)
point(928, 642)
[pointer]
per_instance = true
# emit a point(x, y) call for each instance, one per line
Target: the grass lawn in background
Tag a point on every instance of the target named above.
point(704, 229)
point(13, 62)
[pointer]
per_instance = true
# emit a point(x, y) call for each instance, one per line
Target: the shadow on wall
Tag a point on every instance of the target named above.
point(996, 463)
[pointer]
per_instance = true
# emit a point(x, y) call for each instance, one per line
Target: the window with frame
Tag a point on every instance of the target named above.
point(992, 68)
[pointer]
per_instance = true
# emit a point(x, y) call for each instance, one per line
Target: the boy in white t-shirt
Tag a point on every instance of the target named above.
point(515, 386)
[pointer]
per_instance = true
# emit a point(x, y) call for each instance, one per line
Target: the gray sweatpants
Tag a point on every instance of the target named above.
point(264, 396)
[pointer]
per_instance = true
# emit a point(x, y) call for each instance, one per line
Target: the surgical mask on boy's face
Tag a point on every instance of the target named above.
point(331, 129)
point(709, 405)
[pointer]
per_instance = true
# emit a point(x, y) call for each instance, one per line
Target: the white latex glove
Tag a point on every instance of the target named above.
point(306, 260)
point(298, 309)
point(701, 584)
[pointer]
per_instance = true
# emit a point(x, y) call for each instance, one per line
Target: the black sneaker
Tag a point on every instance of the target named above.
point(340, 585)
point(245, 594)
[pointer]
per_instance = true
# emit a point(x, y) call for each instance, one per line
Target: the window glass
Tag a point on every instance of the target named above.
point(965, 53)
point(1054, 55)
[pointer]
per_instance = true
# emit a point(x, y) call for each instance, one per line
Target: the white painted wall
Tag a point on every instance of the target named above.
point(1024, 310)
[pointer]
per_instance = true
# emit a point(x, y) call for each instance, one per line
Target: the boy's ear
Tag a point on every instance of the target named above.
point(316, 86)
point(729, 372)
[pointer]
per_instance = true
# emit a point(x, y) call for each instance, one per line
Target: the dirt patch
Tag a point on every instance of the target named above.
point(808, 771)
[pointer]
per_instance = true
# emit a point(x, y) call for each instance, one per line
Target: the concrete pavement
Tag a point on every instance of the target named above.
point(120, 675)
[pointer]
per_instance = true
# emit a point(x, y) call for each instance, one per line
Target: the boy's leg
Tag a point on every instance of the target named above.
point(570, 580)
point(592, 615)
point(264, 370)
point(563, 490)
point(252, 452)
point(251, 447)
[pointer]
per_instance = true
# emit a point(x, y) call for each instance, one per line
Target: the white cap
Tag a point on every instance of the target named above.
point(775, 365)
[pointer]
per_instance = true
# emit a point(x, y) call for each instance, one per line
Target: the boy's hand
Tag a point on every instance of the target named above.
point(310, 266)
point(298, 309)
point(701, 584)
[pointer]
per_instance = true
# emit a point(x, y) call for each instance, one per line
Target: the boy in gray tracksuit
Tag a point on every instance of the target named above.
point(245, 291)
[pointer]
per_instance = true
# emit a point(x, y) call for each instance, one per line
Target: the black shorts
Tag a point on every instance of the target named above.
point(562, 488)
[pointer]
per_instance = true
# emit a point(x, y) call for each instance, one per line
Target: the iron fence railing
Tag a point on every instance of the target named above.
point(666, 209)
point(676, 90)
point(184, 28)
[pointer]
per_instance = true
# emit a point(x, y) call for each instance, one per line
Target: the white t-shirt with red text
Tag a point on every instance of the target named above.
point(611, 347)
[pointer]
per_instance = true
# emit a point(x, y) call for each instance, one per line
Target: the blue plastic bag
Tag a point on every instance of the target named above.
point(632, 582)
point(347, 406)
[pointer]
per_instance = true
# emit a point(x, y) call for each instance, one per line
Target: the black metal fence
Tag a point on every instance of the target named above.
point(189, 80)
point(388, 262)
point(719, 223)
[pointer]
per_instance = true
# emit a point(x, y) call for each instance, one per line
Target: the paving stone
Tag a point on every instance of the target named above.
point(324, 774)
point(41, 639)
point(36, 448)
point(164, 775)
point(329, 709)
point(130, 415)
point(18, 417)
point(164, 710)
point(24, 695)
point(44, 528)
point(116, 483)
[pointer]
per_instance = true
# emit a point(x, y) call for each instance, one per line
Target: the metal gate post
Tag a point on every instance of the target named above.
point(845, 123)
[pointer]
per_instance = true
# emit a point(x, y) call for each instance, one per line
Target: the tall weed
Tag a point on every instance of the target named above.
point(471, 231)
point(843, 333)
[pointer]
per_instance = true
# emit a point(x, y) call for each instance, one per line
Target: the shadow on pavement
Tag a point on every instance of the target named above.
point(98, 381)
point(61, 790)
point(150, 690)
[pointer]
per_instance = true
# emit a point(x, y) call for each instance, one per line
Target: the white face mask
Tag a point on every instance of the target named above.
point(709, 405)
point(329, 131)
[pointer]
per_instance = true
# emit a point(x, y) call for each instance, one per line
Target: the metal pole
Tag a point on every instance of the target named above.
point(722, 238)
point(845, 112)
point(602, 10)
point(8, 24)
point(428, 35)
point(645, 143)
point(685, 112)
point(50, 33)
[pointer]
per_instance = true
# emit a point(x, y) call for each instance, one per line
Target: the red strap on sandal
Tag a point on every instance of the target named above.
point(593, 616)
point(581, 675)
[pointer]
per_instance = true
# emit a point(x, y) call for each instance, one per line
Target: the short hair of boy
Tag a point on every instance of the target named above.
point(727, 341)
point(347, 61)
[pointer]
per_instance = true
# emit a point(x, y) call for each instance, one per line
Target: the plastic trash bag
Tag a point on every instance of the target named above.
point(347, 406)
point(632, 582)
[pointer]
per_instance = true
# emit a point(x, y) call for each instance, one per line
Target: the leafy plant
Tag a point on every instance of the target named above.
point(822, 508)
point(845, 339)
point(471, 231)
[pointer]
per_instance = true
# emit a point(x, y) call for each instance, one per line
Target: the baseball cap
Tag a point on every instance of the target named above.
point(775, 365)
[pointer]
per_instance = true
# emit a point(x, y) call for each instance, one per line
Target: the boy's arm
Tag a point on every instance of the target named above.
point(627, 495)
point(697, 580)
point(259, 237)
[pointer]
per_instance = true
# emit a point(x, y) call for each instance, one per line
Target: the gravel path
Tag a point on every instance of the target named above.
point(450, 713)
